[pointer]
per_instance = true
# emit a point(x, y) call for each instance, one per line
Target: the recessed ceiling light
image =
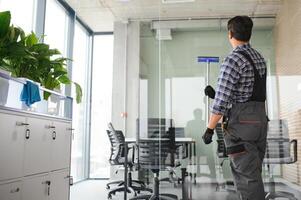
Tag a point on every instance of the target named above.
point(177, 1)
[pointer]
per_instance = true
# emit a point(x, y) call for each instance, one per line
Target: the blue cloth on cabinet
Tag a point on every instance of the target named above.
point(30, 93)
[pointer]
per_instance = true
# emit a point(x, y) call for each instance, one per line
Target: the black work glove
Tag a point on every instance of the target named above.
point(207, 137)
point(209, 91)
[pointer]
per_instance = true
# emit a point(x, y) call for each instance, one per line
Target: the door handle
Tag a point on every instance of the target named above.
point(22, 124)
point(27, 134)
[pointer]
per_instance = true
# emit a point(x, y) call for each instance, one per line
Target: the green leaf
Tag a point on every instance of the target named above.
point(54, 52)
point(31, 39)
point(16, 50)
point(12, 33)
point(46, 95)
point(79, 92)
point(18, 34)
point(4, 23)
point(64, 79)
point(59, 73)
point(40, 47)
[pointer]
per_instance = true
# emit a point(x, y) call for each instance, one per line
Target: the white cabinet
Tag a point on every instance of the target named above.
point(37, 151)
point(36, 187)
point(61, 143)
point(50, 186)
point(59, 189)
point(12, 136)
point(11, 191)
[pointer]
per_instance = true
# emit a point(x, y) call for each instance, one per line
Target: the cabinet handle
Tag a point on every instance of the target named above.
point(49, 126)
point(21, 124)
point(27, 134)
point(53, 135)
point(15, 190)
point(48, 183)
point(70, 180)
point(72, 132)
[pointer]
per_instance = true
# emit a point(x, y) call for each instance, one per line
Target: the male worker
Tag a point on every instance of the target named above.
point(240, 98)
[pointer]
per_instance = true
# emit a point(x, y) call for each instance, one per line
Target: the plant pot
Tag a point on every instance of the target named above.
point(54, 103)
point(26, 79)
point(5, 73)
point(4, 86)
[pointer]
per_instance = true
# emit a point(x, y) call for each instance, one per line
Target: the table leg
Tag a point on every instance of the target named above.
point(184, 184)
point(190, 158)
point(195, 160)
point(125, 170)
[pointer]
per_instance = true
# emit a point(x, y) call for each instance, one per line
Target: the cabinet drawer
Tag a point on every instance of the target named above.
point(60, 184)
point(36, 187)
point(37, 157)
point(12, 136)
point(11, 191)
point(61, 145)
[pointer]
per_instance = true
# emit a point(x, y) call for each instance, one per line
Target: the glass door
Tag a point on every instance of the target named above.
point(172, 82)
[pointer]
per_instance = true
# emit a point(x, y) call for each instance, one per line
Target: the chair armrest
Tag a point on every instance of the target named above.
point(295, 151)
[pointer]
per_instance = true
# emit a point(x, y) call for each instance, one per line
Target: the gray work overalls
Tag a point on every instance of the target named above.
point(245, 139)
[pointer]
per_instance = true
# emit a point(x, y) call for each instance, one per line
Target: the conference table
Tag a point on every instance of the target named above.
point(190, 145)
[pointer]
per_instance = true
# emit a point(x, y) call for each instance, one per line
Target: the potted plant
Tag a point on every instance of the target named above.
point(4, 29)
point(24, 56)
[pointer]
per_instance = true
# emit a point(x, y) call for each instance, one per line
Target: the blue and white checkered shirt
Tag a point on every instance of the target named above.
point(236, 79)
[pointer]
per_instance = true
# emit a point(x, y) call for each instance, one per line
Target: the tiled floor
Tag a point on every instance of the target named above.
point(96, 190)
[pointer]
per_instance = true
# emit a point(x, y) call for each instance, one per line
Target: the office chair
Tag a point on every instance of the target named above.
point(117, 157)
point(279, 150)
point(157, 154)
point(155, 127)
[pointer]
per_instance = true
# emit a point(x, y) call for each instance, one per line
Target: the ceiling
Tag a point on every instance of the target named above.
point(100, 14)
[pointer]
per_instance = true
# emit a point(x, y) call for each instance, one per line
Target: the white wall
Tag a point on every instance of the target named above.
point(126, 76)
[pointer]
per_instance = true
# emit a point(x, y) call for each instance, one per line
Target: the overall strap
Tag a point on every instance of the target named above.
point(259, 86)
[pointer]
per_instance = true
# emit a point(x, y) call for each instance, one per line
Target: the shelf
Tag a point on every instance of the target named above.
point(58, 105)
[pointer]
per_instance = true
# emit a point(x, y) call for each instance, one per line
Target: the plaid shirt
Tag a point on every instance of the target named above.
point(236, 79)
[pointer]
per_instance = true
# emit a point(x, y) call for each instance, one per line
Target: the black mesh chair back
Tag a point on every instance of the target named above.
point(158, 127)
point(179, 132)
point(157, 152)
point(117, 140)
point(280, 149)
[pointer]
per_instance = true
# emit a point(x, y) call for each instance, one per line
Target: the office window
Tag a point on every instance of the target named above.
point(101, 105)
point(23, 13)
point(56, 26)
point(80, 74)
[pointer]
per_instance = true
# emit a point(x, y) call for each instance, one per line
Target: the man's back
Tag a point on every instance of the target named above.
point(236, 80)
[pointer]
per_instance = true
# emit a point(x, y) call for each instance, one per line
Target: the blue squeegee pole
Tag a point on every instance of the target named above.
point(207, 83)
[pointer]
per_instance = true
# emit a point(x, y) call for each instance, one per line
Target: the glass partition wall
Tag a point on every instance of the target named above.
point(172, 78)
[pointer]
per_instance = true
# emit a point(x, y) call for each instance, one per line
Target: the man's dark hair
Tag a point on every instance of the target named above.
point(241, 27)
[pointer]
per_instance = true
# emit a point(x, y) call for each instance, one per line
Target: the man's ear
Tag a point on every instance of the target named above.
point(230, 34)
